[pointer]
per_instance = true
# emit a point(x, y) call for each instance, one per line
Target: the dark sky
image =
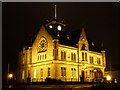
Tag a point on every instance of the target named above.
point(20, 20)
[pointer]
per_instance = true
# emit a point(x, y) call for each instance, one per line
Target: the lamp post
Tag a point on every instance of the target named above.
point(108, 78)
point(10, 78)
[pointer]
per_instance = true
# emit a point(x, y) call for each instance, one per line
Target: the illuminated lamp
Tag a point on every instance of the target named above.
point(59, 27)
point(10, 75)
point(108, 77)
point(50, 26)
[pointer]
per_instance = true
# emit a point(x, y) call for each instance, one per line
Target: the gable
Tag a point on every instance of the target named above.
point(42, 45)
point(69, 38)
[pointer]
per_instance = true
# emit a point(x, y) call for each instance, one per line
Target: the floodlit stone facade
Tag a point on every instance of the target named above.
point(61, 55)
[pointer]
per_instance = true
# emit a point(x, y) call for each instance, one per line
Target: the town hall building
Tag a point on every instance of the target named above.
point(61, 55)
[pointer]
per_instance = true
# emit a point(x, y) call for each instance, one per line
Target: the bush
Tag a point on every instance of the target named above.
point(52, 80)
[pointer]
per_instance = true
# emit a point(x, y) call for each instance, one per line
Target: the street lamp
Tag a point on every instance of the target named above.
point(108, 78)
point(10, 75)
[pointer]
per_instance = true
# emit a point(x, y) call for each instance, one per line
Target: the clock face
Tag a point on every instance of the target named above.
point(59, 27)
point(42, 47)
point(50, 26)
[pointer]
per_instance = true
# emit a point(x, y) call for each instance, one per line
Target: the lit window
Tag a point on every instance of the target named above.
point(57, 52)
point(59, 27)
point(98, 61)
point(28, 73)
point(91, 60)
point(61, 54)
point(73, 71)
point(34, 73)
point(86, 74)
point(23, 61)
point(50, 26)
point(83, 56)
point(90, 73)
point(71, 56)
point(63, 71)
point(86, 56)
point(23, 74)
point(74, 57)
point(103, 63)
point(41, 72)
point(65, 55)
point(38, 57)
point(45, 56)
point(48, 72)
point(30, 57)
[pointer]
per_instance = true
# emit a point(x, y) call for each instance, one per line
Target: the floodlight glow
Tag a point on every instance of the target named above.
point(108, 77)
point(10, 75)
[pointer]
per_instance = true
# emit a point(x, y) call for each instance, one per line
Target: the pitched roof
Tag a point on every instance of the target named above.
point(63, 38)
point(73, 38)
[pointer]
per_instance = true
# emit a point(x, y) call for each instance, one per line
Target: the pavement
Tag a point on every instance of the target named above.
point(64, 87)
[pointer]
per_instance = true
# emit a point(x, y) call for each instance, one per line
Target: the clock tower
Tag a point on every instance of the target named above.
point(55, 25)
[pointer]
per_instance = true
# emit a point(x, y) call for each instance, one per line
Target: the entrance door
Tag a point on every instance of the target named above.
point(82, 76)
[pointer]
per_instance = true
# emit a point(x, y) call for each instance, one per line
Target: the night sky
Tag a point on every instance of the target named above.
point(21, 20)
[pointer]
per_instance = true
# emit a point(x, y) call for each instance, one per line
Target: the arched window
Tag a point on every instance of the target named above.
point(82, 56)
point(38, 57)
point(65, 55)
point(71, 56)
point(74, 57)
point(61, 54)
point(98, 61)
point(48, 71)
point(85, 56)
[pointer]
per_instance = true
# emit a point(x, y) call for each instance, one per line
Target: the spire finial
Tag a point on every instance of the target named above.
point(55, 12)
